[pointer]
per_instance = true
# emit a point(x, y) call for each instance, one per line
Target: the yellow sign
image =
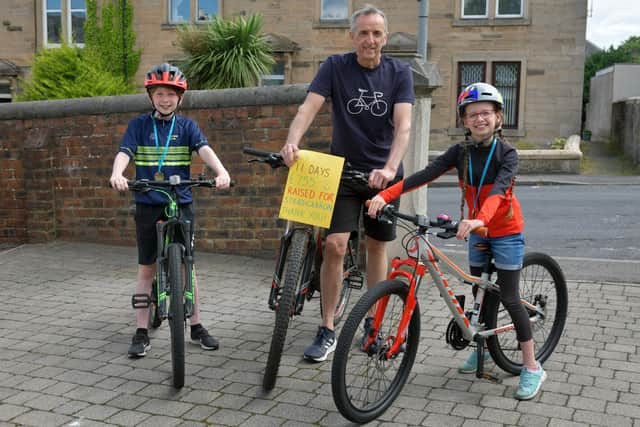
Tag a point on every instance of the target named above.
point(312, 185)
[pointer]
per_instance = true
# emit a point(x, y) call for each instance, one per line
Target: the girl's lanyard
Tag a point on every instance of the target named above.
point(159, 176)
point(476, 199)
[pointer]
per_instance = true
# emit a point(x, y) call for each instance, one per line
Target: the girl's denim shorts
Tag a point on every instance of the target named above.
point(508, 251)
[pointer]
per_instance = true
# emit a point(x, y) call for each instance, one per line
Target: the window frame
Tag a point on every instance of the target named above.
point(333, 20)
point(490, 65)
point(509, 16)
point(66, 30)
point(486, 11)
point(6, 97)
point(194, 6)
point(518, 64)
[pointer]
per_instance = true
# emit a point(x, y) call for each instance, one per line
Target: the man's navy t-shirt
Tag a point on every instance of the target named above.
point(363, 103)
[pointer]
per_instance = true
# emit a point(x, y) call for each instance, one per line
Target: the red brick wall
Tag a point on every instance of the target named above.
point(57, 155)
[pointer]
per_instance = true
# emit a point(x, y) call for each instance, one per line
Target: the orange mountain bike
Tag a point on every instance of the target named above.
point(371, 366)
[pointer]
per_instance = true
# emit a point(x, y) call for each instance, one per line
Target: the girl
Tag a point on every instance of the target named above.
point(486, 167)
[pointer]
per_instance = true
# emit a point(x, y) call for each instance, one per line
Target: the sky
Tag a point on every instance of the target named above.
point(611, 22)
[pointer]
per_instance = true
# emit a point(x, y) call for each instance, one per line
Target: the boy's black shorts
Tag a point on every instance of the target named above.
point(350, 205)
point(146, 218)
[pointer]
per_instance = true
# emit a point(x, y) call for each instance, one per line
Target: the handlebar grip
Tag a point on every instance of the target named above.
point(258, 153)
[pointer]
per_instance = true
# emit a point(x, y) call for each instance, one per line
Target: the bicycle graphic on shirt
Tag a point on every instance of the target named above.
point(375, 103)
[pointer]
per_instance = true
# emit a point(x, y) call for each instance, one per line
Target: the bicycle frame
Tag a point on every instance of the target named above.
point(430, 259)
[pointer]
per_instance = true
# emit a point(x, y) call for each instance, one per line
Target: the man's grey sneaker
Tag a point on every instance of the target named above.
point(139, 345)
point(199, 335)
point(470, 365)
point(530, 383)
point(323, 345)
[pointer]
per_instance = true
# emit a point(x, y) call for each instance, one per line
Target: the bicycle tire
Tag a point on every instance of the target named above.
point(176, 310)
point(154, 311)
point(364, 385)
point(294, 266)
point(541, 282)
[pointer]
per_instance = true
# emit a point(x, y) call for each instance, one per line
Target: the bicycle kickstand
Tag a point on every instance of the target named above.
point(480, 373)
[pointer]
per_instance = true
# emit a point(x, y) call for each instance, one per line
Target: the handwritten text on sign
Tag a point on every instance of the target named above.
point(312, 184)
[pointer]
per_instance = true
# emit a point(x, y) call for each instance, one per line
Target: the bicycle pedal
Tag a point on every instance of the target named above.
point(140, 301)
point(355, 281)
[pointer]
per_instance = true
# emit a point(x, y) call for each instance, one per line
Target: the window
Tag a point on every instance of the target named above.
point(5, 91)
point(77, 17)
point(475, 8)
point(64, 21)
point(334, 10)
point(276, 78)
point(183, 11)
point(505, 77)
point(509, 8)
point(53, 21)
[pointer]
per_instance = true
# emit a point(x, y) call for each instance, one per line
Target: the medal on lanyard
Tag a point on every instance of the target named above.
point(476, 198)
point(159, 176)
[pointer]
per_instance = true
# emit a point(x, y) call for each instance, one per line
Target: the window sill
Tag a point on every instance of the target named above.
point(491, 22)
point(509, 133)
point(342, 24)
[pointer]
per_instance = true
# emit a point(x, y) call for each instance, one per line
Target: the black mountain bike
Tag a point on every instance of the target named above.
point(297, 274)
point(175, 273)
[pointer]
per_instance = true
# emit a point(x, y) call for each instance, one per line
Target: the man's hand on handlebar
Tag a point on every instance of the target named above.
point(466, 226)
point(379, 178)
point(289, 154)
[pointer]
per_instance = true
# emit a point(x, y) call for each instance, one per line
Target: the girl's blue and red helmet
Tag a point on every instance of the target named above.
point(165, 75)
point(479, 92)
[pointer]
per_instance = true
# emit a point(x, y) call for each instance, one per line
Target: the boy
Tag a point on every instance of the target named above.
point(147, 141)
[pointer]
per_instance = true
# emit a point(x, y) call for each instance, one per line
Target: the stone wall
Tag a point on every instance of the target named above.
point(56, 159)
point(625, 127)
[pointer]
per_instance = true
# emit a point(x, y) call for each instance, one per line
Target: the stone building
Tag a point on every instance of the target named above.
point(533, 50)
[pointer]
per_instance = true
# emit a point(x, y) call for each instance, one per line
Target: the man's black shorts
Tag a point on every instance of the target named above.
point(146, 218)
point(349, 206)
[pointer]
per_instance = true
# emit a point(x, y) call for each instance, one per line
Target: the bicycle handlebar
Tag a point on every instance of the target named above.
point(144, 185)
point(275, 161)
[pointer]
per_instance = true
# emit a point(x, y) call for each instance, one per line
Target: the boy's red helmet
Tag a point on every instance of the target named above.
point(165, 75)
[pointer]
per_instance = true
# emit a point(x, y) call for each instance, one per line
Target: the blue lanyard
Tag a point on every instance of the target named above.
point(484, 173)
point(166, 146)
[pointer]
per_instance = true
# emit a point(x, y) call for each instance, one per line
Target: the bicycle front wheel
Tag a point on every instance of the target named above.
point(364, 381)
point(292, 274)
point(542, 284)
point(154, 310)
point(176, 313)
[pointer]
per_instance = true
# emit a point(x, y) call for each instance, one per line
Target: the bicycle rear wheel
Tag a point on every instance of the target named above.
point(176, 313)
point(364, 382)
point(296, 257)
point(542, 284)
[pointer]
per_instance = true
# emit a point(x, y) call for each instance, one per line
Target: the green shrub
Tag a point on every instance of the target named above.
point(67, 72)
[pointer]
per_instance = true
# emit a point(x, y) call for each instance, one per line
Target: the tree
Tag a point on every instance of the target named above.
point(225, 53)
point(113, 42)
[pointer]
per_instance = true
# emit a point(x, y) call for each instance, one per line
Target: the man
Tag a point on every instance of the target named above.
point(372, 97)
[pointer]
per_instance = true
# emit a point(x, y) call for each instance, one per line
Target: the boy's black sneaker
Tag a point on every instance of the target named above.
point(199, 335)
point(140, 344)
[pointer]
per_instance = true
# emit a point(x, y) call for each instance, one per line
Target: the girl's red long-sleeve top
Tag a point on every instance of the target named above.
point(497, 206)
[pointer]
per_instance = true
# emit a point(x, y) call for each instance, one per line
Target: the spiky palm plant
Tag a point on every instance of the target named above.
point(225, 53)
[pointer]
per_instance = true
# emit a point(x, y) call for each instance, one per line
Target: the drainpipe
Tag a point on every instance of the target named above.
point(423, 15)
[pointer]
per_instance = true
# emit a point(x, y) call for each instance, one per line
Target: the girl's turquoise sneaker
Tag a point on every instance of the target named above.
point(470, 365)
point(530, 383)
